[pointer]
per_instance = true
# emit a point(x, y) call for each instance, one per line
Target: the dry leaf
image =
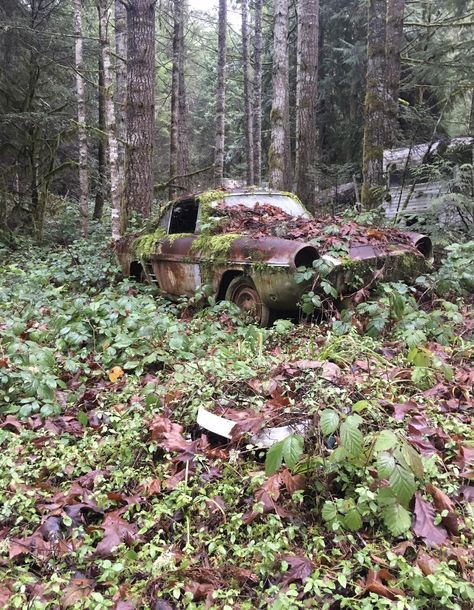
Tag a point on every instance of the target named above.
point(78, 589)
point(116, 373)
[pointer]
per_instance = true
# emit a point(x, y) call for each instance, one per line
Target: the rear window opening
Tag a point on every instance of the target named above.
point(184, 217)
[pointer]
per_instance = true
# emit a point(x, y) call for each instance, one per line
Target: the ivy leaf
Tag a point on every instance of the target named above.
point(329, 421)
point(274, 458)
point(402, 484)
point(385, 440)
point(396, 518)
point(351, 436)
point(352, 520)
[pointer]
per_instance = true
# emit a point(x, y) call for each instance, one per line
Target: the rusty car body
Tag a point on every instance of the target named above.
point(193, 242)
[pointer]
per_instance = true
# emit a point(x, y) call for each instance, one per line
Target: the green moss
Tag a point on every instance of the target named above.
point(214, 246)
point(210, 196)
point(145, 245)
point(172, 238)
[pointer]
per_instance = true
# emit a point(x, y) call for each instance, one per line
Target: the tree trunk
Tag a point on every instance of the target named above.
point(101, 149)
point(81, 120)
point(121, 96)
point(393, 42)
point(175, 78)
point(279, 156)
point(306, 100)
point(140, 105)
point(248, 115)
point(375, 98)
point(117, 210)
point(183, 147)
point(257, 95)
point(220, 95)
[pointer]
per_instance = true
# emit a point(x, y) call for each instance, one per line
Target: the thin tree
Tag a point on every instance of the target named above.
point(279, 156)
point(393, 42)
point(140, 105)
point(257, 94)
point(374, 107)
point(121, 91)
point(306, 101)
point(105, 13)
point(220, 94)
point(81, 119)
point(248, 114)
point(101, 147)
point(175, 82)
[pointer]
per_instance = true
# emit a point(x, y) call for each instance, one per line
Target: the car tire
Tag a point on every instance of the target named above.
point(243, 293)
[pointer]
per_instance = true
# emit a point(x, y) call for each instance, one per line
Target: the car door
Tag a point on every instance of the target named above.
point(175, 266)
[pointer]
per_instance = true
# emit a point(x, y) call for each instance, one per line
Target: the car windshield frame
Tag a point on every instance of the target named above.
point(286, 203)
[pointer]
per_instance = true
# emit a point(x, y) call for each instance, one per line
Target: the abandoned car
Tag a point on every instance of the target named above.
point(247, 246)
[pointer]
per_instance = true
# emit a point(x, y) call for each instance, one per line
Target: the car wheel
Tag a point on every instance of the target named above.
point(243, 293)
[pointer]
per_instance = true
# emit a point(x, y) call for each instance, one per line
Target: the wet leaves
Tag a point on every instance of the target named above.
point(424, 524)
point(116, 531)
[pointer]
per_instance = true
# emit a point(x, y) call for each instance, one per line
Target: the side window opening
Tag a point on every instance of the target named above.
point(184, 217)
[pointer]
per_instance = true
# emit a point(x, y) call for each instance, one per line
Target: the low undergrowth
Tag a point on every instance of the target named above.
point(112, 497)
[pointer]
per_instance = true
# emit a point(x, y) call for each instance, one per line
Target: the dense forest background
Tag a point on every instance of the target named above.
point(301, 96)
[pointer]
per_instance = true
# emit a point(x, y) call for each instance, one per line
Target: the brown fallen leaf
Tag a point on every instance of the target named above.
point(5, 594)
point(167, 434)
point(299, 568)
point(116, 531)
point(402, 547)
point(373, 584)
point(424, 526)
point(443, 502)
point(78, 589)
point(428, 565)
point(115, 373)
point(467, 492)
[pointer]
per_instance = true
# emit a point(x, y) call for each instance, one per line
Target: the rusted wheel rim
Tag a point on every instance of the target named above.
point(248, 300)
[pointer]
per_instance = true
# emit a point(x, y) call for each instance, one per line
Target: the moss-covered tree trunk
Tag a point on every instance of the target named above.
point(279, 155)
point(220, 95)
point(375, 107)
point(393, 43)
point(257, 94)
point(174, 125)
point(81, 119)
point(306, 100)
point(140, 105)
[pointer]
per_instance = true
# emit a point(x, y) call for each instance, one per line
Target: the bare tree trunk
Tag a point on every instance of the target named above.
point(183, 147)
point(117, 212)
point(220, 95)
point(248, 114)
point(140, 105)
point(121, 95)
point(175, 118)
point(375, 104)
point(306, 100)
point(257, 95)
point(393, 42)
point(279, 156)
point(101, 148)
point(81, 120)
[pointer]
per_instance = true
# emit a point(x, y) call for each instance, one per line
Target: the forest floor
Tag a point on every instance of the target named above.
point(111, 496)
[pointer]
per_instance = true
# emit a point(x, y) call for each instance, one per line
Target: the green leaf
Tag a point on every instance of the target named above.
point(351, 436)
point(338, 455)
point(329, 511)
point(352, 520)
point(290, 449)
point(396, 518)
point(402, 484)
point(329, 421)
point(293, 446)
point(385, 464)
point(385, 440)
point(82, 418)
point(413, 459)
point(360, 405)
point(274, 458)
